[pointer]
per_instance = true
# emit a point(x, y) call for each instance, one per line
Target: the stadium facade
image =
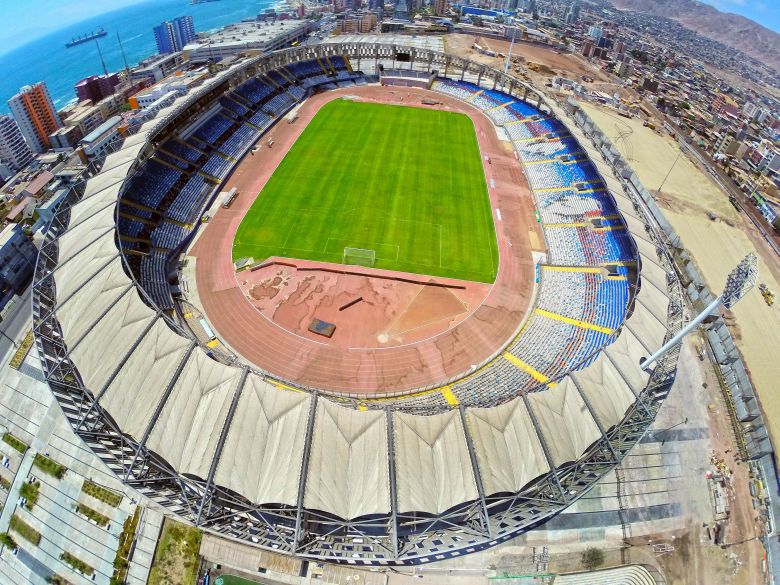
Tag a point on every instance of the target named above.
point(301, 471)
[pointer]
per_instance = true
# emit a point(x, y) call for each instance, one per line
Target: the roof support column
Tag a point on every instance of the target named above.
point(592, 412)
point(475, 471)
point(221, 444)
point(158, 410)
point(304, 471)
point(545, 447)
point(393, 487)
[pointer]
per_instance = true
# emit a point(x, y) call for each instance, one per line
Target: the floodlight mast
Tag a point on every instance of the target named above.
point(739, 282)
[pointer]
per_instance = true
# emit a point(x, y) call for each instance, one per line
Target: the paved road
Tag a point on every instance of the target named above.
point(17, 322)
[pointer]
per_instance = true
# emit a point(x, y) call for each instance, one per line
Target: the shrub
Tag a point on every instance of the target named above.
point(99, 518)
point(77, 564)
point(7, 540)
point(5, 484)
point(21, 351)
point(592, 558)
point(49, 466)
point(15, 443)
point(99, 492)
point(24, 530)
point(29, 491)
point(123, 550)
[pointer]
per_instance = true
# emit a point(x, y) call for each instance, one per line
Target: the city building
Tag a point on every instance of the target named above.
point(14, 152)
point(66, 138)
point(176, 84)
point(97, 142)
point(401, 11)
point(34, 112)
point(355, 23)
point(172, 36)
point(17, 260)
point(84, 115)
point(573, 14)
point(626, 68)
point(251, 38)
point(595, 32)
point(97, 87)
point(588, 49)
point(157, 67)
point(723, 104)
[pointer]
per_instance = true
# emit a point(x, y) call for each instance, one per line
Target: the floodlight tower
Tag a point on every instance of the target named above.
point(739, 282)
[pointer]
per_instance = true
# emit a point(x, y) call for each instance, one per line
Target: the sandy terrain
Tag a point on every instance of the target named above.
point(387, 312)
point(687, 194)
point(565, 64)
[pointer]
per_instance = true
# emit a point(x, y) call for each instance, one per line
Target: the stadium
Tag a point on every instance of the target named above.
point(436, 446)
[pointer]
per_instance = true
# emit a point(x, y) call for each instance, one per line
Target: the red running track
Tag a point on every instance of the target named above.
point(377, 370)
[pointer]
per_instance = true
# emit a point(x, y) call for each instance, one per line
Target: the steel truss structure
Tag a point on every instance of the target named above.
point(382, 539)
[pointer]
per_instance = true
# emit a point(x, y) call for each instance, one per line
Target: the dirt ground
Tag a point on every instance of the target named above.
point(387, 312)
point(716, 246)
point(553, 62)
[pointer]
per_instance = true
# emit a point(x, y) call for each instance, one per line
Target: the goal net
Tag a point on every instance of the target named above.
point(359, 257)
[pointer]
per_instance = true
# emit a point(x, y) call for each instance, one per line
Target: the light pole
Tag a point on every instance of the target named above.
point(738, 284)
point(509, 53)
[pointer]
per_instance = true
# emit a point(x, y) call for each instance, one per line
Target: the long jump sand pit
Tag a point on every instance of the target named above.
point(716, 246)
point(370, 308)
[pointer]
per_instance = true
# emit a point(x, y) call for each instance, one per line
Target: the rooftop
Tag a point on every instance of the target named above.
point(246, 33)
point(109, 124)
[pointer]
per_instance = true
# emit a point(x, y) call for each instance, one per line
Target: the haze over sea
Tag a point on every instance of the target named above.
point(47, 59)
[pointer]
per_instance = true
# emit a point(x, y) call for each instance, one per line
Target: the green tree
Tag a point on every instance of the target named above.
point(592, 558)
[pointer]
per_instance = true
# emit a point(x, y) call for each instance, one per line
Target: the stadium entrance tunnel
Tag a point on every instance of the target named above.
point(299, 471)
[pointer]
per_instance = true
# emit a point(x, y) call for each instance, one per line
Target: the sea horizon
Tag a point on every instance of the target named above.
point(62, 67)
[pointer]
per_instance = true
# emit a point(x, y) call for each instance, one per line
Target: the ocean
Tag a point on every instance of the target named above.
point(47, 59)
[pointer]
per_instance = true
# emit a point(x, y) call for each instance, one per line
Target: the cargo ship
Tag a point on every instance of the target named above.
point(86, 38)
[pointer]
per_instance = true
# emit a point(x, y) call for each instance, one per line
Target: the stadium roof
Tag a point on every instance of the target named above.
point(277, 445)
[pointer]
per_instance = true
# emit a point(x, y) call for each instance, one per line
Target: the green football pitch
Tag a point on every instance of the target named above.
point(404, 182)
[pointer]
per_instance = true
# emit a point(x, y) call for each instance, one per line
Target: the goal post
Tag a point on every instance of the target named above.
point(359, 257)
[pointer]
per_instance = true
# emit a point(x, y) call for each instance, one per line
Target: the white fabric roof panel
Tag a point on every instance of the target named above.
point(626, 351)
point(187, 432)
point(637, 229)
point(647, 327)
point(83, 266)
point(86, 305)
point(106, 344)
point(115, 175)
point(509, 452)
point(433, 467)
point(606, 391)
point(87, 207)
point(564, 420)
point(136, 391)
point(263, 452)
point(652, 271)
point(74, 240)
point(656, 301)
point(130, 150)
point(348, 472)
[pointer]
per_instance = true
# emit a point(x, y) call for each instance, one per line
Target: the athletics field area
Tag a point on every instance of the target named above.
point(404, 182)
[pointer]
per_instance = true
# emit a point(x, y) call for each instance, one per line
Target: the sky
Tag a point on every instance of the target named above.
point(33, 19)
point(764, 12)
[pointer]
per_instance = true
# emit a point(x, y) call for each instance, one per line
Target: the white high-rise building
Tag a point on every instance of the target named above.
point(14, 152)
